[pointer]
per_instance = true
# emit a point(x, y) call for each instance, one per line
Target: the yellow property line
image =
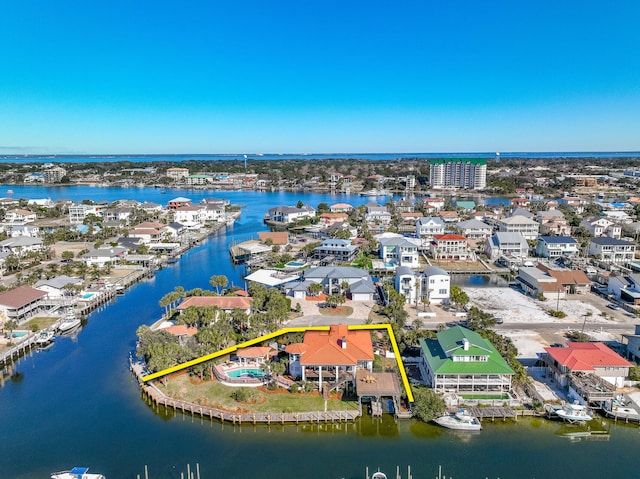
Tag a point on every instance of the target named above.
point(299, 329)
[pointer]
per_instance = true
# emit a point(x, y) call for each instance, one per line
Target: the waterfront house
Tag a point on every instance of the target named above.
point(104, 256)
point(401, 251)
point(119, 214)
point(574, 281)
point(333, 277)
point(336, 250)
point(290, 214)
point(223, 303)
point(24, 230)
point(147, 235)
point(436, 285)
point(506, 244)
point(178, 203)
point(602, 227)
point(191, 216)
point(58, 287)
point(175, 229)
point(611, 250)
point(594, 358)
point(199, 180)
point(556, 246)
point(527, 227)
point(450, 246)
point(181, 331)
point(21, 303)
point(435, 204)
point(177, 174)
point(331, 357)
point(460, 360)
point(341, 208)
point(404, 206)
point(576, 203)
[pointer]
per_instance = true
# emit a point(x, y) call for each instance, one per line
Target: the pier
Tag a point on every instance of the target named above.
point(157, 398)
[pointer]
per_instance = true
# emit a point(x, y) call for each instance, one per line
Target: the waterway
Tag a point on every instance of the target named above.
point(77, 404)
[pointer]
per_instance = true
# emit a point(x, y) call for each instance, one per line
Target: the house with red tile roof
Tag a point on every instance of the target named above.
point(593, 358)
point(224, 303)
point(331, 356)
point(450, 246)
point(21, 303)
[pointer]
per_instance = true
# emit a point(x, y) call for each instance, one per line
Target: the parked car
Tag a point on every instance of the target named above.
point(615, 307)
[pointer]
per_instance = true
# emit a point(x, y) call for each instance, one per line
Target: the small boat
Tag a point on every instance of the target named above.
point(379, 475)
point(373, 193)
point(44, 337)
point(460, 420)
point(69, 323)
point(574, 413)
point(76, 473)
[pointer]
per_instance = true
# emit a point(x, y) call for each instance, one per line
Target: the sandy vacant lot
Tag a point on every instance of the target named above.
point(514, 307)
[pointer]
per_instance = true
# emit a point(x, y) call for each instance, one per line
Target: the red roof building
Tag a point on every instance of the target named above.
point(450, 246)
point(592, 358)
point(333, 355)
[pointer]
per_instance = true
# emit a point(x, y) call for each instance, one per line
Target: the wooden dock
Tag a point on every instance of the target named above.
point(157, 398)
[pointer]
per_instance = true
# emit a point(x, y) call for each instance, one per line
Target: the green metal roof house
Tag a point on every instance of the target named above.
point(460, 360)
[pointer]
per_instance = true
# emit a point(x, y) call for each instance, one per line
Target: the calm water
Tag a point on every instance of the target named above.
point(310, 156)
point(76, 404)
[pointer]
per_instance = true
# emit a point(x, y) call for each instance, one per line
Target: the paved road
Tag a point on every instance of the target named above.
point(558, 326)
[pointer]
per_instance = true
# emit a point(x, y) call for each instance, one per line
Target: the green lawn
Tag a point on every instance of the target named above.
point(40, 323)
point(340, 311)
point(212, 393)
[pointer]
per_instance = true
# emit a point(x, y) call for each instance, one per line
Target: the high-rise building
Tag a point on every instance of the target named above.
point(458, 173)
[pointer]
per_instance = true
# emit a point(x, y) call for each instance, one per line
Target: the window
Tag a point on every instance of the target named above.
point(442, 291)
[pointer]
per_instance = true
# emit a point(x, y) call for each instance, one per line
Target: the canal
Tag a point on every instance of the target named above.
point(77, 404)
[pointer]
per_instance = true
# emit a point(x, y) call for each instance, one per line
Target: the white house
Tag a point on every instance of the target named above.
point(556, 246)
point(376, 213)
point(506, 244)
point(290, 214)
point(427, 227)
point(436, 285)
point(190, 215)
point(21, 245)
point(104, 256)
point(400, 251)
point(602, 227)
point(406, 283)
point(611, 250)
point(474, 229)
point(19, 217)
point(527, 227)
point(55, 287)
point(625, 287)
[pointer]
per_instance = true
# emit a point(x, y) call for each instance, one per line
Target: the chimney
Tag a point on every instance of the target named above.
point(465, 344)
point(344, 342)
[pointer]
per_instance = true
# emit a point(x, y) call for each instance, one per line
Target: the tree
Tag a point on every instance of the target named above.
point(67, 255)
point(458, 297)
point(322, 207)
point(299, 204)
point(427, 404)
point(315, 288)
point(11, 326)
point(218, 282)
point(12, 262)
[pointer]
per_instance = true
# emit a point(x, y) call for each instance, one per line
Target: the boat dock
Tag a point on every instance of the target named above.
point(156, 398)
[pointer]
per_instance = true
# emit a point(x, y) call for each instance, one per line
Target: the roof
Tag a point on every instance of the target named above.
point(518, 220)
point(272, 277)
point(567, 276)
point(449, 237)
point(253, 352)
point(58, 282)
point(473, 224)
point(473, 161)
point(557, 239)
point(222, 302)
point(277, 237)
point(450, 342)
point(607, 241)
point(338, 272)
point(587, 356)
point(20, 296)
point(404, 271)
point(510, 237)
point(431, 219)
point(434, 270)
point(296, 348)
point(362, 286)
point(181, 330)
point(326, 347)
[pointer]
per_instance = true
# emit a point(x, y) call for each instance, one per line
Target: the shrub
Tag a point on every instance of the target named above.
point(294, 388)
point(243, 394)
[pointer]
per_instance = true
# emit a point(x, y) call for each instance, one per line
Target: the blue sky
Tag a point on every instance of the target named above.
point(195, 76)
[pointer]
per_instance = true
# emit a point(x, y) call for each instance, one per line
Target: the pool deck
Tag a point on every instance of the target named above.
point(221, 372)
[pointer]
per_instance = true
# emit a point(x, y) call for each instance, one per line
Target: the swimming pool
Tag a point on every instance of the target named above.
point(294, 264)
point(88, 295)
point(247, 373)
point(19, 334)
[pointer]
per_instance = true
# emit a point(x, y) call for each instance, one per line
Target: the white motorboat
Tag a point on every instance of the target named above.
point(379, 475)
point(373, 192)
point(76, 473)
point(44, 337)
point(460, 420)
point(69, 323)
point(574, 413)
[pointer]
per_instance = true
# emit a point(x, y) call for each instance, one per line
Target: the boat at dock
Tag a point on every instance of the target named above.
point(68, 324)
point(76, 473)
point(44, 337)
point(374, 192)
point(572, 412)
point(460, 420)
